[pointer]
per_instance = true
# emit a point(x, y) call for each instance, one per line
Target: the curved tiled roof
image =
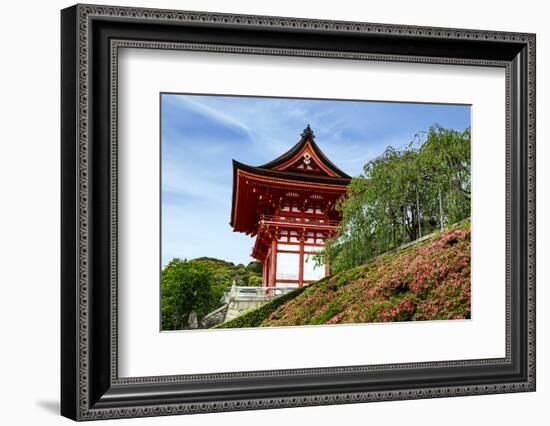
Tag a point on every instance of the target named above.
point(307, 138)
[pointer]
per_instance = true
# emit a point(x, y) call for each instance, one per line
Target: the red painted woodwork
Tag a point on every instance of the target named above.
point(289, 200)
point(301, 265)
point(265, 275)
point(273, 258)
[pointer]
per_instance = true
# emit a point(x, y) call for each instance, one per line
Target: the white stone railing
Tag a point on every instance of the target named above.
point(252, 293)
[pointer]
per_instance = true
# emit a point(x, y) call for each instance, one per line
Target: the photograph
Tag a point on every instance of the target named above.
point(281, 212)
point(267, 209)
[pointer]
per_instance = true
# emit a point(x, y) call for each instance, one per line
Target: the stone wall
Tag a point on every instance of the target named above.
point(215, 317)
point(230, 310)
point(239, 307)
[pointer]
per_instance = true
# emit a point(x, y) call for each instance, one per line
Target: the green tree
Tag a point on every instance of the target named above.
point(445, 162)
point(403, 195)
point(255, 281)
point(186, 287)
point(254, 267)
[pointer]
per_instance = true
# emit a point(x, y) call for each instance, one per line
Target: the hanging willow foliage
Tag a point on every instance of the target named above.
point(403, 195)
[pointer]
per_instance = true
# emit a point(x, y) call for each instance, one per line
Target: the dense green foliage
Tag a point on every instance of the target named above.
point(427, 280)
point(186, 287)
point(227, 272)
point(198, 286)
point(403, 195)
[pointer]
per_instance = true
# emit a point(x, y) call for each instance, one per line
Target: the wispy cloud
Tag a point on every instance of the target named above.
point(221, 115)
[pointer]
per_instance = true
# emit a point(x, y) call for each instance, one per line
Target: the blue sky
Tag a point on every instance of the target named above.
point(202, 134)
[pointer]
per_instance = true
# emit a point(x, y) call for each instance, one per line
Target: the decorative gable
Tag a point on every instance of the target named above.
point(305, 157)
point(306, 161)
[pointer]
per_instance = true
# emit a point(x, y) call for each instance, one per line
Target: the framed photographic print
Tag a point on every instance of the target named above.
point(263, 212)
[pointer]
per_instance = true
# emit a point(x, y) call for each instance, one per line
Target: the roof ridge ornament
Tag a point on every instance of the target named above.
point(308, 132)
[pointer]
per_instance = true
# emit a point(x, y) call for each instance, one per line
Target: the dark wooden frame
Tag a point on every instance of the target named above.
point(90, 386)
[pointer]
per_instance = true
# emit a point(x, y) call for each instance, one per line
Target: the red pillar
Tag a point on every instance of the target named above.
point(301, 264)
point(273, 267)
point(265, 276)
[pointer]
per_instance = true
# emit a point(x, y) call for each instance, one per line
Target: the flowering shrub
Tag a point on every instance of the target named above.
point(427, 281)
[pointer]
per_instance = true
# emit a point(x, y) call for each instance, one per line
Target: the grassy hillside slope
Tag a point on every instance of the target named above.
point(429, 280)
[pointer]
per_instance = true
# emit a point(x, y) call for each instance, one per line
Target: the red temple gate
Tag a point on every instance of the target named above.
point(288, 204)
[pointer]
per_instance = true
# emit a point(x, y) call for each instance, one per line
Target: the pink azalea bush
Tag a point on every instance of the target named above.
point(427, 281)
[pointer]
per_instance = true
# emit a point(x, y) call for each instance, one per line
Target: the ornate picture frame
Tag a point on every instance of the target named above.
point(91, 37)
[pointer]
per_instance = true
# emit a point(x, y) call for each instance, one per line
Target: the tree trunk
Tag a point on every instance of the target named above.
point(440, 210)
point(418, 215)
point(404, 224)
